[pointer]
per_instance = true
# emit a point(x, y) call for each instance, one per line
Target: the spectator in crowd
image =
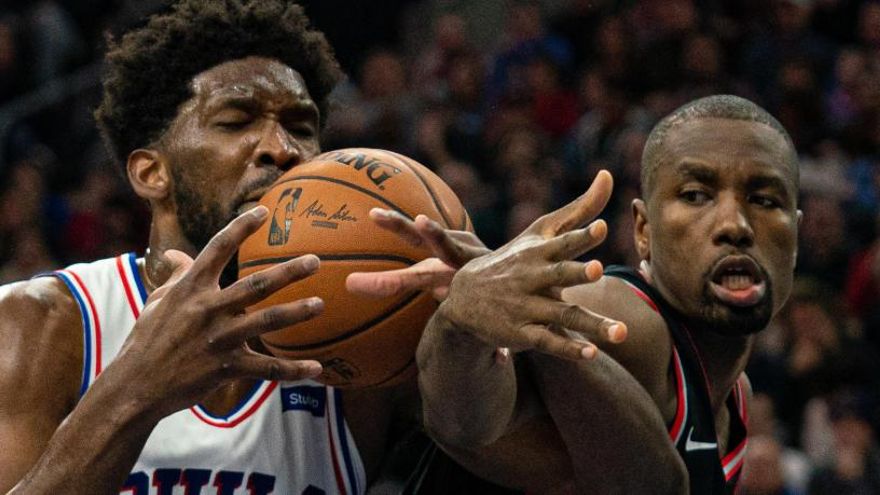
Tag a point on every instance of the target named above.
point(824, 248)
point(10, 58)
point(818, 356)
point(855, 467)
point(763, 469)
point(526, 38)
point(379, 106)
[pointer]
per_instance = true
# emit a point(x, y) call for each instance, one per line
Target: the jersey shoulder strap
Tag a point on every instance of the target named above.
point(693, 430)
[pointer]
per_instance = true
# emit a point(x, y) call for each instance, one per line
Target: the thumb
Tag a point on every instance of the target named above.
point(578, 212)
point(179, 263)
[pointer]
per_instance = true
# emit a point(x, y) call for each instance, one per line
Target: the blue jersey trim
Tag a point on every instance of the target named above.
point(87, 331)
point(343, 441)
point(137, 278)
point(238, 407)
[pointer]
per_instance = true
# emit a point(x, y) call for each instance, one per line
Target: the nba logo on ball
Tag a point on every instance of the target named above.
point(279, 235)
point(360, 341)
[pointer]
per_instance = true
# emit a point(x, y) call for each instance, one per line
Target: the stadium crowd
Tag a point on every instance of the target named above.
point(517, 104)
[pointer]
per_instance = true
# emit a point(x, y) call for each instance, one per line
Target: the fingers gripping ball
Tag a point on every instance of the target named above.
point(322, 207)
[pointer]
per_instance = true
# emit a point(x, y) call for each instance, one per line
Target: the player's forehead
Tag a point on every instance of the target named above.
point(254, 77)
point(727, 144)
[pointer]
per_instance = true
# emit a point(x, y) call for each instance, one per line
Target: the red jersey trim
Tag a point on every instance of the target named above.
point(337, 471)
point(643, 296)
point(129, 295)
point(677, 427)
point(733, 461)
point(236, 417)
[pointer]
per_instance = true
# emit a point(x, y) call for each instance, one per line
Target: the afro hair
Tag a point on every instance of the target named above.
point(148, 72)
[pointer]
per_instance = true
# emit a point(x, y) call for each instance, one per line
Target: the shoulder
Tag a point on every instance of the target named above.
point(42, 333)
point(647, 350)
point(614, 298)
point(45, 294)
point(43, 303)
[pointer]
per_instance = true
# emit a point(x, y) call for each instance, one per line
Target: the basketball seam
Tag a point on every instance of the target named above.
point(427, 187)
point(351, 333)
point(330, 257)
point(348, 184)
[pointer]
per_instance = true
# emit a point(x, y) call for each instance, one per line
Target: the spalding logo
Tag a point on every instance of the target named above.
point(378, 172)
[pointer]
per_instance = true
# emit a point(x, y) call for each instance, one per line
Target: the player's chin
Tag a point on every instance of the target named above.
point(737, 321)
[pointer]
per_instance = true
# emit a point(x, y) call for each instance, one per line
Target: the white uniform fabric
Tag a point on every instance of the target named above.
point(284, 437)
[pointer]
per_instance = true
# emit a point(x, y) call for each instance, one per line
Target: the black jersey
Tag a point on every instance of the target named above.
point(693, 428)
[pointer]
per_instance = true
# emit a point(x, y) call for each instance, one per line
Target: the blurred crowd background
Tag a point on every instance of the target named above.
point(517, 104)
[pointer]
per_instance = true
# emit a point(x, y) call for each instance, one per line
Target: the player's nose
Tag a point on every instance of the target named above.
point(278, 148)
point(732, 223)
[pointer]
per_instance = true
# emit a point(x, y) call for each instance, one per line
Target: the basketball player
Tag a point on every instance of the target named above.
point(716, 229)
point(145, 375)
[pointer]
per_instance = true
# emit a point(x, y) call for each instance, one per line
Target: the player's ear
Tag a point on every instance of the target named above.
point(149, 174)
point(641, 229)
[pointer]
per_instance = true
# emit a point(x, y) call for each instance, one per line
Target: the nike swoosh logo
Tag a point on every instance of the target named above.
point(691, 445)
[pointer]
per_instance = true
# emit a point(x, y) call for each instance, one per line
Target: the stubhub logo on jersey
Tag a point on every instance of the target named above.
point(304, 398)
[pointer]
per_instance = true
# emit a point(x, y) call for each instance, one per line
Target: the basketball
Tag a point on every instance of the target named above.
point(322, 207)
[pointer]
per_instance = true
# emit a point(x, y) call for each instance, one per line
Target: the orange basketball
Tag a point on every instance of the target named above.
point(321, 207)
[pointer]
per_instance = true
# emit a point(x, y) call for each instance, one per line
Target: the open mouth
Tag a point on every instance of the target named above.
point(738, 281)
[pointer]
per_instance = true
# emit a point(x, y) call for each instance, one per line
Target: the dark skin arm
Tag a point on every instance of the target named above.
point(600, 420)
point(531, 455)
point(584, 401)
point(474, 403)
point(37, 388)
point(533, 436)
point(190, 339)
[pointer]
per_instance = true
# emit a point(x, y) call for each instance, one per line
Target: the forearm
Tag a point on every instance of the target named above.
point(611, 427)
point(93, 450)
point(468, 398)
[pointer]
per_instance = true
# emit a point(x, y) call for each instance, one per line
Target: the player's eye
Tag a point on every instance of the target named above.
point(232, 120)
point(300, 128)
point(764, 201)
point(302, 131)
point(232, 125)
point(695, 196)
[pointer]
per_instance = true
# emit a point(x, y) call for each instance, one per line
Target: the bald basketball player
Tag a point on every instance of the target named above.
point(716, 229)
point(144, 375)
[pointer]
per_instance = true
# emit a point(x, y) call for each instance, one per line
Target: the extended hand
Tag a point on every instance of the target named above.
point(451, 248)
point(191, 336)
point(512, 297)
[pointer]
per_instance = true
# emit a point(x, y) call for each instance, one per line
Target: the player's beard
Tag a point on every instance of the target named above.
point(732, 321)
point(199, 220)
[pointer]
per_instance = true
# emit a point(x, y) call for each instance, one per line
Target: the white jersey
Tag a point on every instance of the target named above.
point(283, 438)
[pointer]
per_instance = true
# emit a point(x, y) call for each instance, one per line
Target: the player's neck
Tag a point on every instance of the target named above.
point(724, 360)
point(157, 268)
point(223, 400)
